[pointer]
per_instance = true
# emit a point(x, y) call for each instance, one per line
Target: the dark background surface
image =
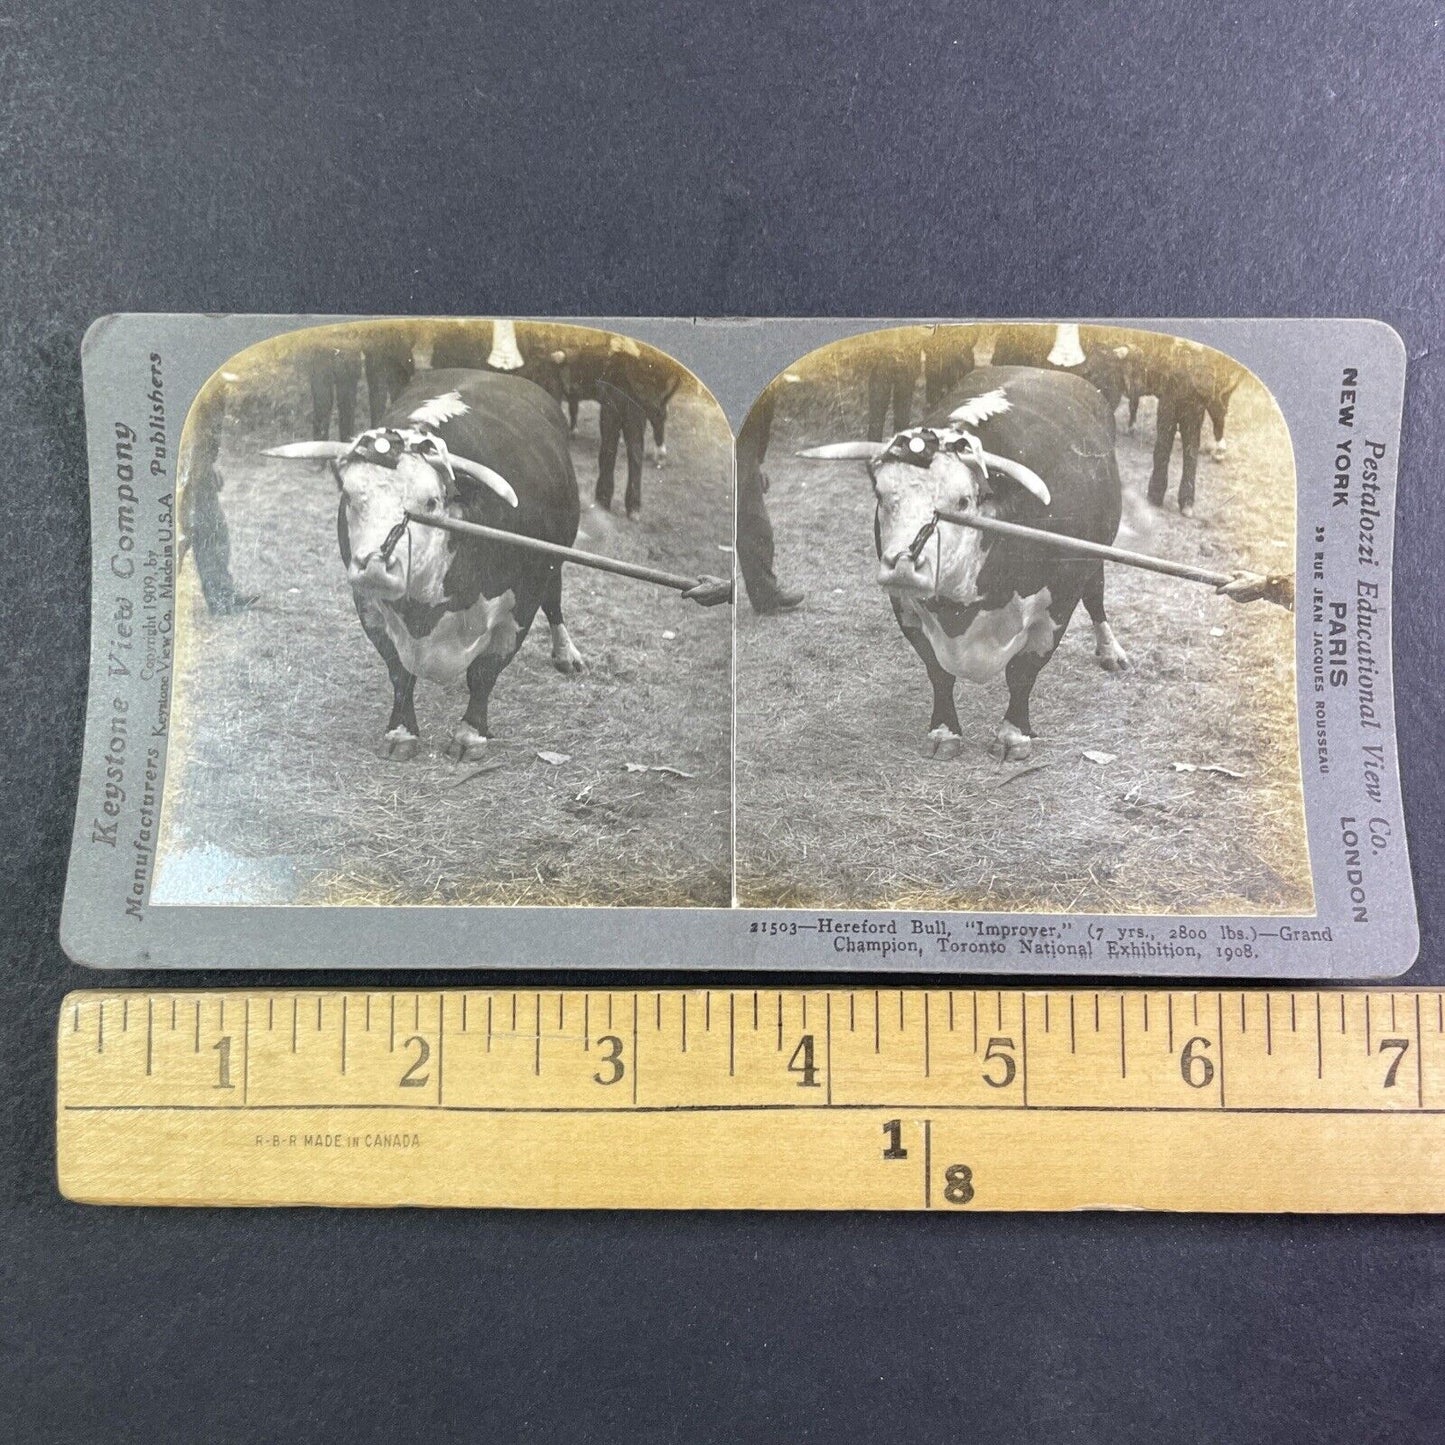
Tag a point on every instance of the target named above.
point(883, 159)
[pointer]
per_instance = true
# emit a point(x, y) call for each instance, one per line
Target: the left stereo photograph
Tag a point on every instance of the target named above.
point(330, 691)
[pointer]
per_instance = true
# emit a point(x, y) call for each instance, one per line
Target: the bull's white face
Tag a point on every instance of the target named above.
point(376, 499)
point(947, 564)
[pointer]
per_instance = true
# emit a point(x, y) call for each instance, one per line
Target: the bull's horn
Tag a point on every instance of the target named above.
point(846, 452)
point(487, 477)
point(310, 451)
point(1028, 479)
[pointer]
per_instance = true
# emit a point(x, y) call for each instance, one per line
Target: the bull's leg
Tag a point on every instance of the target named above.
point(565, 657)
point(1107, 652)
point(1134, 397)
point(945, 737)
point(572, 405)
point(1167, 421)
point(609, 423)
point(634, 432)
point(1013, 742)
point(1191, 421)
point(469, 739)
point(402, 736)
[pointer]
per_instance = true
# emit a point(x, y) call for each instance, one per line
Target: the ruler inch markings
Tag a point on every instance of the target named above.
point(1419, 1058)
point(1094, 1114)
point(828, 1041)
point(928, 1163)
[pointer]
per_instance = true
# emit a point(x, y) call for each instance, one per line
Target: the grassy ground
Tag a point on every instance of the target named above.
point(275, 791)
point(837, 807)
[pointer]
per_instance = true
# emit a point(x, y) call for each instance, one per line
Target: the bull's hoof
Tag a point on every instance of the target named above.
point(399, 745)
point(634, 514)
point(567, 660)
point(943, 745)
point(1111, 657)
point(1012, 746)
point(467, 745)
point(1220, 450)
point(1187, 510)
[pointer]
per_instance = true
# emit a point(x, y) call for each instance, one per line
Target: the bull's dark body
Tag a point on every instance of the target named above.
point(1062, 428)
point(1030, 345)
point(517, 429)
point(467, 348)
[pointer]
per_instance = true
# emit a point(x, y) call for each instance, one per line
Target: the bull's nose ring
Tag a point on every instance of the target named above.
point(915, 549)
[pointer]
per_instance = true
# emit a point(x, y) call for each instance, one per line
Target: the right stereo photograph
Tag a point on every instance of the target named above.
point(935, 712)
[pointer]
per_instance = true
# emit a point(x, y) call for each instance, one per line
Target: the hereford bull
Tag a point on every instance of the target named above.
point(1029, 446)
point(483, 447)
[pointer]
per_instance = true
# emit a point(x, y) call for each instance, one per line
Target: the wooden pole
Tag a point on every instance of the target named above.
point(1272, 589)
point(674, 580)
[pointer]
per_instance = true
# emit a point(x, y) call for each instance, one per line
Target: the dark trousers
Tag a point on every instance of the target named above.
point(890, 383)
point(755, 535)
point(1184, 415)
point(620, 418)
point(386, 378)
point(209, 539)
point(335, 377)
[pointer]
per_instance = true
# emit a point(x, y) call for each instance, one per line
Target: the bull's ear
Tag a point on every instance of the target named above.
point(310, 451)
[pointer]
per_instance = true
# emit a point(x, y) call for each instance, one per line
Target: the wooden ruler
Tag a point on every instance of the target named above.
point(951, 1100)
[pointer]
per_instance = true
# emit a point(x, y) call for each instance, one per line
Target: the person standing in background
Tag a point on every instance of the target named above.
point(390, 364)
point(335, 376)
point(203, 520)
point(754, 526)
